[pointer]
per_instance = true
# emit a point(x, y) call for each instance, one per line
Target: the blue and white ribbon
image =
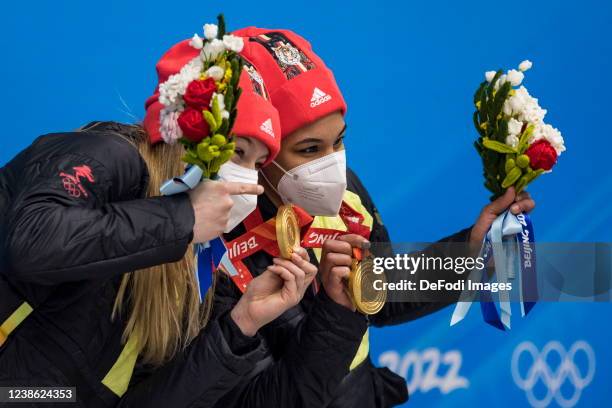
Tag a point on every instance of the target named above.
point(510, 241)
point(186, 182)
point(208, 255)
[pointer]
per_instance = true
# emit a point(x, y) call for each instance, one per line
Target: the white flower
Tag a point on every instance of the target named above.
point(515, 77)
point(176, 84)
point(196, 42)
point(215, 72)
point(233, 43)
point(512, 140)
point(169, 127)
point(210, 31)
point(524, 107)
point(525, 65)
point(213, 49)
point(225, 114)
point(549, 133)
point(514, 127)
point(489, 76)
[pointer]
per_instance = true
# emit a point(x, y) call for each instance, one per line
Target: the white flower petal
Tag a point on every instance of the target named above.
point(196, 42)
point(489, 75)
point(514, 127)
point(515, 77)
point(233, 43)
point(512, 140)
point(210, 31)
point(215, 72)
point(213, 49)
point(525, 65)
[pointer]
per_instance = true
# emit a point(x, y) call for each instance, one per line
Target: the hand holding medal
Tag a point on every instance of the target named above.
point(347, 276)
point(366, 299)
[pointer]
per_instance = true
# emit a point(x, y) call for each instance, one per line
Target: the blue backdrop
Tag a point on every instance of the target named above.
point(408, 72)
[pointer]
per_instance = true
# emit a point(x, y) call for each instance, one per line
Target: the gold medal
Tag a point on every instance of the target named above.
point(287, 231)
point(366, 299)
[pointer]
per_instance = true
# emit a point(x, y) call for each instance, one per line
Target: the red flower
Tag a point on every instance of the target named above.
point(541, 155)
point(199, 93)
point(193, 124)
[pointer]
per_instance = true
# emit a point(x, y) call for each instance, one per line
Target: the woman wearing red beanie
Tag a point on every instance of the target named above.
point(97, 277)
point(310, 171)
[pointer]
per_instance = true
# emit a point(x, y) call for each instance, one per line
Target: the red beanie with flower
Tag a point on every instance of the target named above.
point(301, 87)
point(256, 116)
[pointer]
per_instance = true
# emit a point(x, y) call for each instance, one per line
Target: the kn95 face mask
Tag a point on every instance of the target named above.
point(317, 186)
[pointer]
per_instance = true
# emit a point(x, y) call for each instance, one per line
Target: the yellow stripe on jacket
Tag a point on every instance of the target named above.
point(336, 223)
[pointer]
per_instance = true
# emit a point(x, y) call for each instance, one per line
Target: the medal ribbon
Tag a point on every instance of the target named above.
point(263, 238)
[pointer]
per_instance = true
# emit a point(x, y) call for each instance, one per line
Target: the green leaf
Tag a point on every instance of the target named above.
point(524, 139)
point(189, 159)
point(210, 119)
point(224, 128)
point(497, 146)
point(484, 108)
point(477, 124)
point(481, 89)
point(218, 140)
point(229, 98)
point(237, 65)
point(512, 177)
point(229, 146)
point(491, 88)
point(216, 112)
point(220, 26)
point(502, 129)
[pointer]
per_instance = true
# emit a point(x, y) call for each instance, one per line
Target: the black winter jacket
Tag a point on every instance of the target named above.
point(290, 374)
point(73, 220)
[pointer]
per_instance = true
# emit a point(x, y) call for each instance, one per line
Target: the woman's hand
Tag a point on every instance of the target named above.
point(280, 287)
point(335, 266)
point(517, 203)
point(212, 202)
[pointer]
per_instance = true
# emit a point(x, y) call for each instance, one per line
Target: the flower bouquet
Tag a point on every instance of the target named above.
point(200, 100)
point(515, 144)
point(199, 110)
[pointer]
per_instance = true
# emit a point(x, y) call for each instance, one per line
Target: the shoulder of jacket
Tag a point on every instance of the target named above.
point(113, 156)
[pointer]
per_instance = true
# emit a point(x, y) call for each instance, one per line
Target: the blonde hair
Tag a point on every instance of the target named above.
point(163, 305)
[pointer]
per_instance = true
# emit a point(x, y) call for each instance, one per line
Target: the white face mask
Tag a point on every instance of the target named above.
point(317, 186)
point(243, 204)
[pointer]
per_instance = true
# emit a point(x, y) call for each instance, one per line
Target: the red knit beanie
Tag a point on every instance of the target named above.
point(256, 118)
point(301, 87)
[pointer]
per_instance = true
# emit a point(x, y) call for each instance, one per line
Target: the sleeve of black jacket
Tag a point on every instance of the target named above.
point(400, 312)
point(53, 236)
point(202, 373)
point(312, 365)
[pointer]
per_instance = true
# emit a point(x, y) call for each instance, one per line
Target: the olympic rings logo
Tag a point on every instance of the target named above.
point(567, 370)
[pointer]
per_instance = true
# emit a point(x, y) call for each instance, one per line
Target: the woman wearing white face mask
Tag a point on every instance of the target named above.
point(100, 293)
point(310, 171)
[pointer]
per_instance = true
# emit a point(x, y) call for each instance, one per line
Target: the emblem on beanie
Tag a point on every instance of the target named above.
point(256, 80)
point(318, 97)
point(290, 59)
point(287, 54)
point(266, 127)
